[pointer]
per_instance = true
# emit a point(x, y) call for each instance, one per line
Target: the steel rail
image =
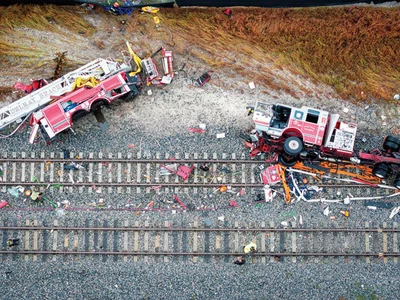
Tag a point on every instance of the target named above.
point(163, 184)
point(202, 229)
point(143, 161)
point(336, 254)
point(142, 184)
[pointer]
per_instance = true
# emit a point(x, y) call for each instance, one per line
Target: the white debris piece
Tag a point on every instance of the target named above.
point(327, 211)
point(202, 126)
point(269, 194)
point(346, 110)
point(284, 223)
point(220, 135)
point(252, 85)
point(394, 212)
point(149, 92)
point(221, 218)
point(396, 97)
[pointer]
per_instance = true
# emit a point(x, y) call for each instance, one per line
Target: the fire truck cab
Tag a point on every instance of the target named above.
point(303, 128)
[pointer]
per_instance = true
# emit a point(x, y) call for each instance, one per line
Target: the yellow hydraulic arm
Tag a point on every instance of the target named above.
point(136, 59)
point(281, 171)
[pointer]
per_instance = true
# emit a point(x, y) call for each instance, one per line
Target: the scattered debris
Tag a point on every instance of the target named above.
point(220, 135)
point(228, 12)
point(327, 211)
point(3, 204)
point(14, 191)
point(269, 194)
point(199, 130)
point(180, 202)
point(378, 204)
point(221, 218)
point(233, 203)
point(345, 213)
point(394, 212)
point(203, 79)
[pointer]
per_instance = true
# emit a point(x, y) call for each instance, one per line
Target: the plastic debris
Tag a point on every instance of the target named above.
point(372, 207)
point(269, 194)
point(220, 135)
point(203, 79)
point(180, 202)
point(14, 191)
point(222, 188)
point(345, 213)
point(396, 97)
point(221, 218)
point(327, 211)
point(3, 204)
point(202, 126)
point(394, 212)
point(301, 220)
point(252, 85)
point(333, 218)
point(191, 129)
point(284, 223)
point(233, 203)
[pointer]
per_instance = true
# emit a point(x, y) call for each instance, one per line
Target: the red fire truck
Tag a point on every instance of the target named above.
point(289, 135)
point(59, 116)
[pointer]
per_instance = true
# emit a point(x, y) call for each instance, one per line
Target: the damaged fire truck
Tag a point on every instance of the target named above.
point(53, 107)
point(311, 138)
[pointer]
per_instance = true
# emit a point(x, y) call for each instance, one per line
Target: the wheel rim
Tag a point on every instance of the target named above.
point(294, 145)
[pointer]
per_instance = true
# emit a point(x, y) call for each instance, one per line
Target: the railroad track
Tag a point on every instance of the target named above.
point(154, 243)
point(135, 173)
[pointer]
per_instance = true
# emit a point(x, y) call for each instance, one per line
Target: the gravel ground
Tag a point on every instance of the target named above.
point(76, 280)
point(159, 123)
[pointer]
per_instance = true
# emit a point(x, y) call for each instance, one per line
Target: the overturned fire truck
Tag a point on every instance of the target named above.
point(308, 137)
point(53, 107)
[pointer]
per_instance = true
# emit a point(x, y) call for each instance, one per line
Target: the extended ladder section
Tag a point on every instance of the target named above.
point(360, 172)
point(99, 68)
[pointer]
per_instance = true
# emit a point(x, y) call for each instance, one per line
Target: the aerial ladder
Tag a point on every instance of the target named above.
point(99, 68)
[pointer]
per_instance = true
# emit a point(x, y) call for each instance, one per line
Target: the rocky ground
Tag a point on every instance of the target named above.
point(159, 123)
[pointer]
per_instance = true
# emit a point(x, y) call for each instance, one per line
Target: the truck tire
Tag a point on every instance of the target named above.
point(78, 114)
point(391, 143)
point(397, 182)
point(381, 170)
point(293, 146)
point(286, 162)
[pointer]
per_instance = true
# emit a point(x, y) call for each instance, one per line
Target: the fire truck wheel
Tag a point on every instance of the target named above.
point(79, 114)
point(391, 143)
point(293, 146)
point(381, 170)
point(397, 182)
point(286, 162)
point(98, 104)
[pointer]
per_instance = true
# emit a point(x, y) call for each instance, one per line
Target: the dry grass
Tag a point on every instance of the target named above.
point(356, 51)
point(352, 50)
